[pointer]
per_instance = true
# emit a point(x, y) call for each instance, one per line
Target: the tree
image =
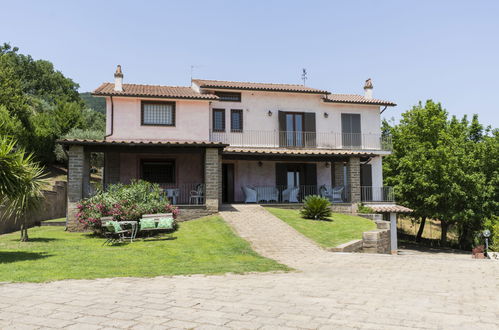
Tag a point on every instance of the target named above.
point(21, 184)
point(41, 103)
point(437, 168)
point(411, 167)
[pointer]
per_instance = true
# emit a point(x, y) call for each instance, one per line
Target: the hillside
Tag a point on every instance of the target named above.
point(96, 103)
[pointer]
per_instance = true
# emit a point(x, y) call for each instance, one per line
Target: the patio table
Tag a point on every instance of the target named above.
point(172, 193)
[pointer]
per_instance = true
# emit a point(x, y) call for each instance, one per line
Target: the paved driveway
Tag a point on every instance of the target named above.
point(329, 291)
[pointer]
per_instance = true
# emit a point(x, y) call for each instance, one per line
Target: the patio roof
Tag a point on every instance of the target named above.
point(294, 152)
point(142, 142)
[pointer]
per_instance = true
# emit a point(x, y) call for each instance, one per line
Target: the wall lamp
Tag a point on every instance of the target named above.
point(269, 113)
point(326, 165)
point(260, 164)
point(326, 114)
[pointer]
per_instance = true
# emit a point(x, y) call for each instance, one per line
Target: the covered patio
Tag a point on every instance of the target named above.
point(188, 171)
point(289, 175)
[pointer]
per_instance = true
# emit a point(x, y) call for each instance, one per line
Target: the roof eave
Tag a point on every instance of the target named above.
point(388, 104)
point(319, 92)
point(99, 94)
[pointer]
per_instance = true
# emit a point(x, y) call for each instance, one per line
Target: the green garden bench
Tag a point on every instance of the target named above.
point(156, 222)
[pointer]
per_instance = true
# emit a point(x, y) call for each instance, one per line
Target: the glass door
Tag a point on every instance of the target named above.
point(294, 129)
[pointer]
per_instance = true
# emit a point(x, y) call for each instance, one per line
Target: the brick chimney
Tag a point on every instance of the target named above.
point(368, 89)
point(118, 79)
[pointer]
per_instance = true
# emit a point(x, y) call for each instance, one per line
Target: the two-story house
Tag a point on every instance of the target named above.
point(231, 142)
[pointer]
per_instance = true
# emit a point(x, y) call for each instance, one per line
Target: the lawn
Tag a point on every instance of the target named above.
point(339, 229)
point(203, 246)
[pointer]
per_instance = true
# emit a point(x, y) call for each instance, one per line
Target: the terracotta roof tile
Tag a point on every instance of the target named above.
point(386, 208)
point(296, 152)
point(174, 92)
point(353, 98)
point(218, 84)
point(142, 142)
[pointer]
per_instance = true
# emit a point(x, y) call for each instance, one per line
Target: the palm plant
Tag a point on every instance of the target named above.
point(21, 184)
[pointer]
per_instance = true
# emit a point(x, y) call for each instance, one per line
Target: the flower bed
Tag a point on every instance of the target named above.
point(124, 203)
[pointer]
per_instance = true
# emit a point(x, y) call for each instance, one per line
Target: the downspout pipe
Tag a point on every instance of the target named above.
point(112, 118)
point(383, 109)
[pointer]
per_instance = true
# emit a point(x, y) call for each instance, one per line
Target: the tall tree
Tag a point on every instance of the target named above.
point(438, 170)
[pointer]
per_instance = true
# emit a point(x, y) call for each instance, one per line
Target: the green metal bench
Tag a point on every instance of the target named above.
point(150, 223)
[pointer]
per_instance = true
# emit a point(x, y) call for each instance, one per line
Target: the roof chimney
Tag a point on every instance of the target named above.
point(118, 79)
point(368, 89)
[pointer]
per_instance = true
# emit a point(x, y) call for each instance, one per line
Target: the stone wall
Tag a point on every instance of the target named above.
point(342, 208)
point(54, 206)
point(213, 179)
point(378, 240)
point(354, 180)
point(190, 212)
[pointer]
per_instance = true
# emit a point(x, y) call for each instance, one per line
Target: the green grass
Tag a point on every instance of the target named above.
point(203, 246)
point(55, 220)
point(341, 229)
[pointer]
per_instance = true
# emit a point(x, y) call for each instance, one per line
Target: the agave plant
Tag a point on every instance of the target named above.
point(21, 184)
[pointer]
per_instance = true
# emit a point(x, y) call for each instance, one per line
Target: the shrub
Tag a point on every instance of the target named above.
point(124, 203)
point(364, 209)
point(316, 207)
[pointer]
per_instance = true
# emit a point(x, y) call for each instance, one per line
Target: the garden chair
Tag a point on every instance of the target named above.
point(290, 195)
point(326, 192)
point(249, 194)
point(338, 194)
point(113, 232)
point(197, 195)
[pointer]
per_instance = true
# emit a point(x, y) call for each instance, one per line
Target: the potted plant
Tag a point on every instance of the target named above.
point(478, 252)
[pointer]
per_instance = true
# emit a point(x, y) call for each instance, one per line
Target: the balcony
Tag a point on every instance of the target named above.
point(305, 140)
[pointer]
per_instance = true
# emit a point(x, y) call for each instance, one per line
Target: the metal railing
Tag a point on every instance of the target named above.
point(285, 194)
point(185, 193)
point(377, 194)
point(338, 194)
point(298, 139)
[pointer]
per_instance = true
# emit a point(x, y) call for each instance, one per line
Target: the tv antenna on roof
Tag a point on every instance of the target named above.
point(192, 70)
point(304, 76)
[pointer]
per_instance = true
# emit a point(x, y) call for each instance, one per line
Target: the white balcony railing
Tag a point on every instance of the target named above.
point(294, 139)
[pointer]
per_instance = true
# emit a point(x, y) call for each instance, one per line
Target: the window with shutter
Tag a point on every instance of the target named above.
point(236, 120)
point(218, 120)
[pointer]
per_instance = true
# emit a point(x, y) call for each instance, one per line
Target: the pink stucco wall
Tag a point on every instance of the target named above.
point(249, 173)
point(191, 121)
point(189, 167)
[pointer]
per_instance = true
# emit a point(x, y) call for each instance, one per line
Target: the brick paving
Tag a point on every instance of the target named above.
point(271, 237)
point(330, 290)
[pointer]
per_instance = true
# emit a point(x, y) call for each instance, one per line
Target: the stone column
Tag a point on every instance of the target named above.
point(338, 174)
point(393, 233)
point(213, 179)
point(76, 165)
point(354, 179)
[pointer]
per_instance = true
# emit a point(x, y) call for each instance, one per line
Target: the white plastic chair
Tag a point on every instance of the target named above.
point(290, 195)
point(197, 195)
point(337, 194)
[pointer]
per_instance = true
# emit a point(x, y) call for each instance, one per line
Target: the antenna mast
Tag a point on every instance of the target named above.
point(304, 76)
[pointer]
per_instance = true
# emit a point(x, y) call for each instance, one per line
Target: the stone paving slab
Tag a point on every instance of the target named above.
point(351, 291)
point(272, 237)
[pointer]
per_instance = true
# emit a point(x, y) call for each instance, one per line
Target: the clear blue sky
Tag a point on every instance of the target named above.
point(413, 50)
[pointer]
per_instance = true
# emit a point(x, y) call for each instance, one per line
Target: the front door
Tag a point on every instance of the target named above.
point(227, 183)
point(293, 174)
point(301, 175)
